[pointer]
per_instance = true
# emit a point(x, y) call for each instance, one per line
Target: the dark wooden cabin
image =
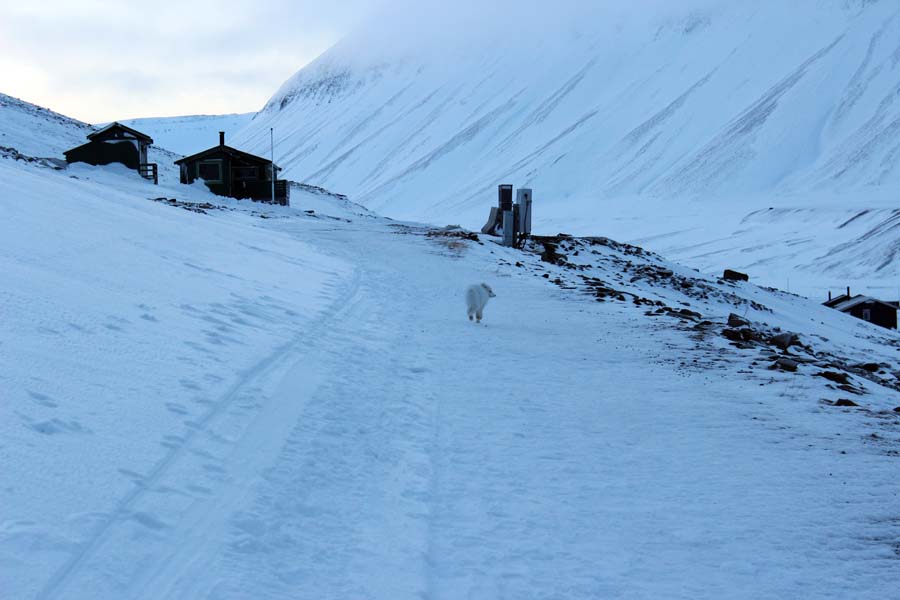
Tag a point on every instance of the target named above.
point(877, 312)
point(116, 143)
point(227, 171)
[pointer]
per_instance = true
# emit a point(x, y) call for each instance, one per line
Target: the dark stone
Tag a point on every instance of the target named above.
point(870, 367)
point(845, 402)
point(732, 334)
point(842, 378)
point(689, 313)
point(785, 340)
point(736, 321)
point(849, 389)
point(740, 335)
point(786, 364)
point(735, 276)
point(549, 255)
point(897, 410)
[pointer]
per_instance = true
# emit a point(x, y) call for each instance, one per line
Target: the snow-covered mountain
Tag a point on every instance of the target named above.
point(36, 131)
point(189, 134)
point(676, 124)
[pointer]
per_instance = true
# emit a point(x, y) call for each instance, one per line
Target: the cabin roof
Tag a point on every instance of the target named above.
point(832, 302)
point(227, 150)
point(112, 126)
point(860, 299)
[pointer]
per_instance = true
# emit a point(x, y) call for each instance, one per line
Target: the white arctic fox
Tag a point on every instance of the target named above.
point(477, 297)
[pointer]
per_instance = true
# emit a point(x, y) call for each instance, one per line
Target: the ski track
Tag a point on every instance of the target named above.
point(395, 450)
point(125, 511)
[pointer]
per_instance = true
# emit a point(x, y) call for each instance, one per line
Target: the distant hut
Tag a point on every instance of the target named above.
point(877, 312)
point(227, 171)
point(116, 143)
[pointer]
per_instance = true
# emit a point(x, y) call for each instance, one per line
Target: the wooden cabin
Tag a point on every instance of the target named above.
point(116, 143)
point(227, 171)
point(877, 312)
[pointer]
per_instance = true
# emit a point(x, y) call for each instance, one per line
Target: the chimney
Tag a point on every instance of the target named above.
point(221, 138)
point(848, 291)
point(829, 295)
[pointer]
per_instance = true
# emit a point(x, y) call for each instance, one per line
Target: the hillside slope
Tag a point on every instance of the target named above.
point(189, 134)
point(204, 398)
point(36, 131)
point(703, 112)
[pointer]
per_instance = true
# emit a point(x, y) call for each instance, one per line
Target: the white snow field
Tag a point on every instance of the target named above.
point(189, 134)
point(666, 123)
point(38, 132)
point(261, 402)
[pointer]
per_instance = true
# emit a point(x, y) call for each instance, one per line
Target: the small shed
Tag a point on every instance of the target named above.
point(116, 143)
point(227, 171)
point(877, 312)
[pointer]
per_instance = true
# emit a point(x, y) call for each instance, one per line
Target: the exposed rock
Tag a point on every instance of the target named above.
point(736, 321)
point(897, 410)
point(549, 255)
point(845, 402)
point(735, 276)
point(785, 364)
point(846, 387)
point(744, 334)
point(785, 340)
point(842, 378)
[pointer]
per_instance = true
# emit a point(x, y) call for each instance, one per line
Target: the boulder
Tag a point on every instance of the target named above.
point(785, 340)
point(736, 321)
point(735, 276)
point(744, 334)
point(845, 402)
point(785, 364)
point(841, 378)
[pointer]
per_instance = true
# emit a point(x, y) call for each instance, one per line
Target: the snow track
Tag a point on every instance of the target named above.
point(562, 449)
point(229, 442)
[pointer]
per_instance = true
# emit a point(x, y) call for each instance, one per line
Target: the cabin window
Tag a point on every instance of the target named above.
point(246, 173)
point(210, 171)
point(867, 314)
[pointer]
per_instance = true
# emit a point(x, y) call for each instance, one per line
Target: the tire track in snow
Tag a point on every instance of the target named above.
point(121, 512)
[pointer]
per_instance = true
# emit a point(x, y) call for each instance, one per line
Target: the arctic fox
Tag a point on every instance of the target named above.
point(477, 297)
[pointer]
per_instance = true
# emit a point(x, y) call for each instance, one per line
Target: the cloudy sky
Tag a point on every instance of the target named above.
point(102, 60)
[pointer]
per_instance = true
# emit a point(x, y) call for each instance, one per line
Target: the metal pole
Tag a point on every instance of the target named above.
point(272, 140)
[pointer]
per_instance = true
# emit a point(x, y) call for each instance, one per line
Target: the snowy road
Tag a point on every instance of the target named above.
point(395, 450)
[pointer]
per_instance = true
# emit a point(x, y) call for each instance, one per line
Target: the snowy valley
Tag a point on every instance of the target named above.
point(202, 397)
point(719, 133)
point(238, 400)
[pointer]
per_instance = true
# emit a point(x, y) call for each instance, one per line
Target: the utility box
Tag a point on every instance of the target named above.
point(512, 221)
point(523, 201)
point(505, 200)
point(509, 228)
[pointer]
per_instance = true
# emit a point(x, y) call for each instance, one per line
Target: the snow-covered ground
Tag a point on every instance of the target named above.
point(261, 402)
point(37, 131)
point(665, 123)
point(189, 134)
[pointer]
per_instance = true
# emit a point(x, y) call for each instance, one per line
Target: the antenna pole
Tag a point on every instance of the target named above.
point(272, 141)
